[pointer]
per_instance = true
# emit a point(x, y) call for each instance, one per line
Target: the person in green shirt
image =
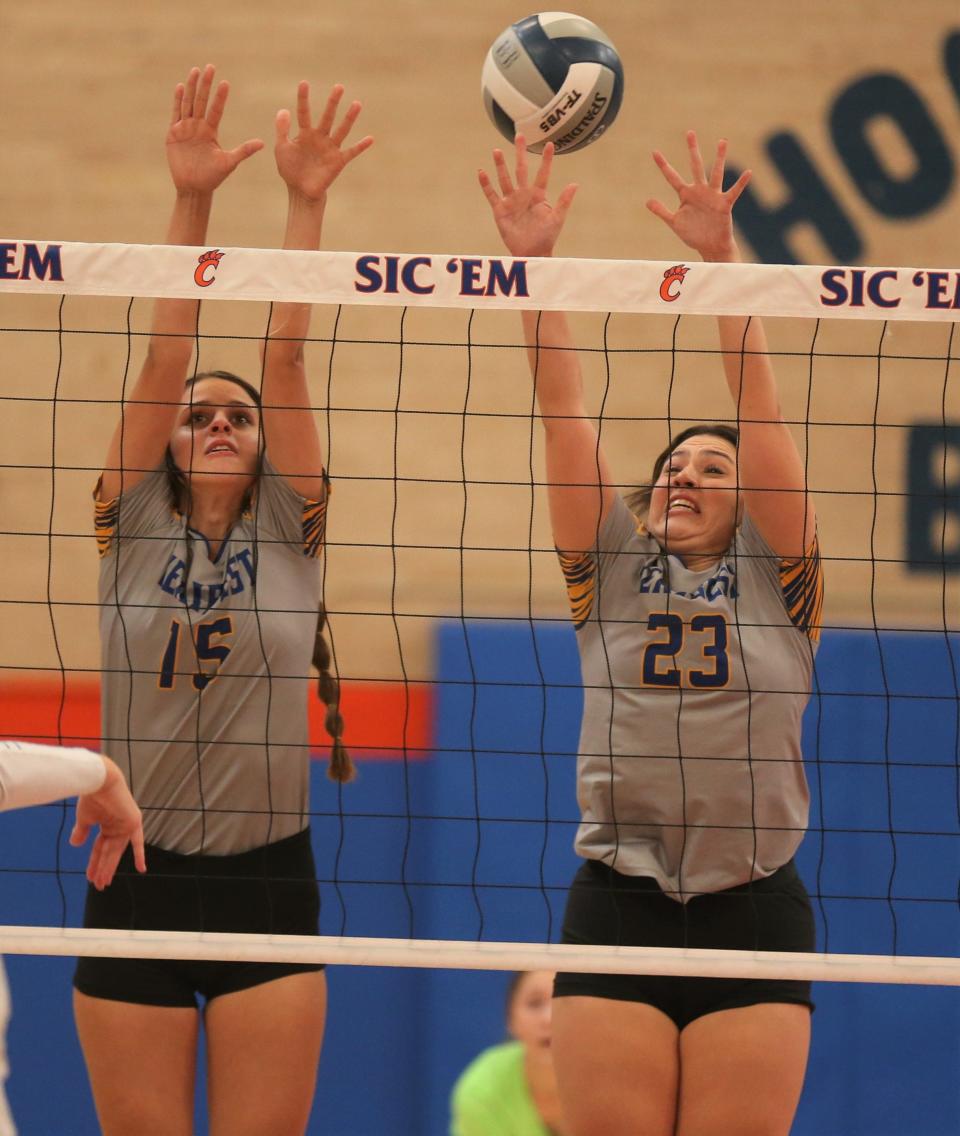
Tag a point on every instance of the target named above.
point(511, 1089)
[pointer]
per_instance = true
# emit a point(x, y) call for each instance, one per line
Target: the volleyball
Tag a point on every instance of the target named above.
point(553, 77)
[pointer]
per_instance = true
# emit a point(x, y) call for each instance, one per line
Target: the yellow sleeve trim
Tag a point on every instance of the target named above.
point(315, 523)
point(801, 580)
point(105, 514)
point(580, 574)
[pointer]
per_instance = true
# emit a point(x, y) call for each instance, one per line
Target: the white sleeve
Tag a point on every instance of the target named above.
point(35, 774)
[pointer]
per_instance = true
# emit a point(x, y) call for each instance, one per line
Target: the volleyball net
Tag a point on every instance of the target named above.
point(448, 618)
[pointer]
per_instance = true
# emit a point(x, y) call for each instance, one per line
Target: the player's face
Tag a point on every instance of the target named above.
point(217, 435)
point(693, 507)
point(529, 1015)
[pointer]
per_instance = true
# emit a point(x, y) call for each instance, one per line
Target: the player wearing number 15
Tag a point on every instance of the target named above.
point(697, 606)
point(210, 520)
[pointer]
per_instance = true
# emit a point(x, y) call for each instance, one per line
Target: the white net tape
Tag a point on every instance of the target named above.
point(479, 282)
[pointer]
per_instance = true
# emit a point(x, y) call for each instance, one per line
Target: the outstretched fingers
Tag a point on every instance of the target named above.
point(523, 167)
point(303, 106)
point(673, 179)
point(698, 170)
point(178, 92)
point(203, 91)
point(542, 180)
point(658, 209)
point(487, 186)
point(189, 93)
point(339, 136)
point(696, 161)
point(325, 126)
point(357, 149)
point(503, 172)
point(192, 98)
point(564, 201)
point(738, 187)
point(217, 107)
point(719, 162)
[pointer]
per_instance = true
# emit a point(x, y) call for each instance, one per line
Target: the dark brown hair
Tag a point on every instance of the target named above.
point(340, 767)
point(639, 499)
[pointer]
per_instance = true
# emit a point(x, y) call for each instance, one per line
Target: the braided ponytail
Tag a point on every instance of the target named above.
point(341, 767)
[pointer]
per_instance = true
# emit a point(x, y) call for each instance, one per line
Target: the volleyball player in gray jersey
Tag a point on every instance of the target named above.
point(697, 612)
point(210, 517)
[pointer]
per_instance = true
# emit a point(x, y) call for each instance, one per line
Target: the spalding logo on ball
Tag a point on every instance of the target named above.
point(553, 77)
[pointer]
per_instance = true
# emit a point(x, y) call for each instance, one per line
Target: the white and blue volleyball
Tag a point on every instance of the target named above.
point(553, 77)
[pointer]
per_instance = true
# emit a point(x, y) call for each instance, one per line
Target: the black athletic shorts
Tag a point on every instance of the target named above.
point(268, 890)
point(607, 907)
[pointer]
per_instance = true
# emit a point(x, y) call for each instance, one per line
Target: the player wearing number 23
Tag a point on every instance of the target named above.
point(697, 607)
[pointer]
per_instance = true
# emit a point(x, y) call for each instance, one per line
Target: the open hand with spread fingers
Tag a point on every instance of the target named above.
point(528, 223)
point(703, 220)
point(198, 163)
point(312, 161)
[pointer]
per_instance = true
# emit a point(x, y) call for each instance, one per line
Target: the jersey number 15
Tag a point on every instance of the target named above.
point(208, 647)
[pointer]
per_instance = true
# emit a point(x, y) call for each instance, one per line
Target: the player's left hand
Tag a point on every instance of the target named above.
point(115, 811)
point(703, 219)
point(311, 162)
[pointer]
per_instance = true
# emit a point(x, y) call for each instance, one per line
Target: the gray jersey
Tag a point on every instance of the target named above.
point(695, 683)
point(205, 664)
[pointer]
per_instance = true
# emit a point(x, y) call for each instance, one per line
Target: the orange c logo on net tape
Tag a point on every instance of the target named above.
point(672, 276)
point(208, 260)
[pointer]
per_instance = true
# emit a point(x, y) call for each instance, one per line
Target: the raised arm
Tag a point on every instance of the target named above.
point(309, 164)
point(771, 471)
point(578, 480)
point(198, 165)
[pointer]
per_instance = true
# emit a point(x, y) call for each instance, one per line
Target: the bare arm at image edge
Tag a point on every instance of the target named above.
point(33, 774)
